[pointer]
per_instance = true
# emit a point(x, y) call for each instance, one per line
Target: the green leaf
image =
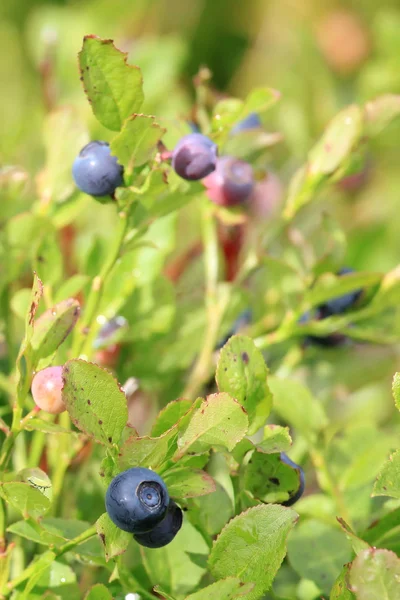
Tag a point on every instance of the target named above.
point(189, 483)
point(379, 113)
point(98, 592)
point(114, 540)
point(113, 87)
point(41, 564)
point(242, 373)
point(340, 590)
point(356, 541)
point(318, 551)
point(296, 405)
point(225, 589)
point(71, 287)
point(53, 326)
point(20, 302)
point(171, 566)
point(396, 389)
point(36, 534)
point(23, 375)
point(330, 286)
point(137, 142)
point(275, 439)
point(170, 415)
point(64, 136)
point(337, 142)
point(375, 574)
point(388, 480)
point(269, 479)
point(60, 578)
point(38, 479)
point(25, 498)
point(214, 520)
point(219, 422)
point(95, 401)
point(48, 260)
point(252, 547)
point(146, 451)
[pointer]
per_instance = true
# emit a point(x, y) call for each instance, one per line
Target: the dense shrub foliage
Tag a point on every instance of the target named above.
point(196, 358)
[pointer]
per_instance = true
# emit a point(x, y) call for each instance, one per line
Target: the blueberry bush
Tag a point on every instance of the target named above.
point(197, 350)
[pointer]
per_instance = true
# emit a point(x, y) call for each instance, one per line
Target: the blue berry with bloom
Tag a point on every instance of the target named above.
point(252, 121)
point(96, 171)
point(232, 182)
point(164, 532)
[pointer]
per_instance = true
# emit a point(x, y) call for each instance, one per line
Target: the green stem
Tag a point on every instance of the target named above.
point(215, 305)
point(84, 334)
point(61, 466)
point(35, 567)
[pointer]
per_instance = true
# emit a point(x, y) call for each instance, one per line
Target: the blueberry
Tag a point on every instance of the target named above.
point(299, 492)
point(339, 305)
point(231, 183)
point(194, 157)
point(96, 171)
point(252, 121)
point(163, 533)
point(137, 500)
point(243, 319)
point(335, 306)
point(110, 332)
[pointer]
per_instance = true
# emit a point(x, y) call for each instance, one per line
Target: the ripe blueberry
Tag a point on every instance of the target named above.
point(164, 532)
point(252, 121)
point(110, 331)
point(231, 183)
point(194, 157)
point(137, 500)
point(299, 492)
point(96, 171)
point(46, 390)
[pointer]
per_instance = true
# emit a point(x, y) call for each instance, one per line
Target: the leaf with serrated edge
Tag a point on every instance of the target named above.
point(114, 540)
point(275, 439)
point(146, 451)
point(113, 87)
point(189, 483)
point(388, 480)
point(169, 415)
point(252, 546)
point(137, 141)
point(225, 589)
point(340, 589)
point(220, 421)
point(95, 401)
point(242, 373)
point(375, 574)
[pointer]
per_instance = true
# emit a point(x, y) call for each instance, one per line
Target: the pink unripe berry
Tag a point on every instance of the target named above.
point(46, 390)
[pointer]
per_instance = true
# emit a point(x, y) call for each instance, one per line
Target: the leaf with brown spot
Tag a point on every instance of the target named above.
point(105, 417)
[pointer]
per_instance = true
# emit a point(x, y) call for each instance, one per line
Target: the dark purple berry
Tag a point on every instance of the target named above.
point(299, 492)
point(164, 532)
point(194, 157)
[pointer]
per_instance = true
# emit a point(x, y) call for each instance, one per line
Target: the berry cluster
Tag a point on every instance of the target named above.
point(137, 501)
point(229, 181)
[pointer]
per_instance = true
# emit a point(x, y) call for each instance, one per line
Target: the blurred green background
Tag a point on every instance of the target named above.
point(320, 56)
